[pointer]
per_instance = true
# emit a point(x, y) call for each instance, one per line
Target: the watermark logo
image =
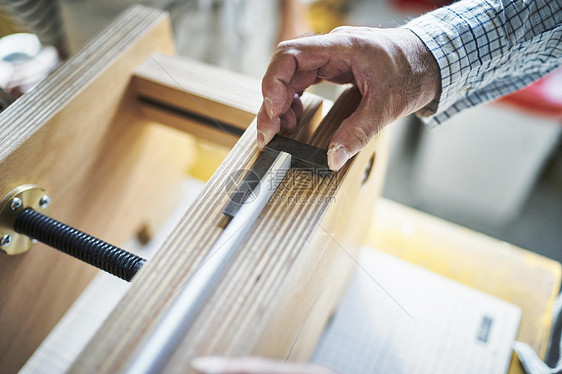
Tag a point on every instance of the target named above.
point(242, 186)
point(293, 199)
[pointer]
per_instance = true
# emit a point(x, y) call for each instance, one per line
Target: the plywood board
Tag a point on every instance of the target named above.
point(280, 290)
point(79, 135)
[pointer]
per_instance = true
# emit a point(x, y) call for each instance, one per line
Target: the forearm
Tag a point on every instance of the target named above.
point(486, 49)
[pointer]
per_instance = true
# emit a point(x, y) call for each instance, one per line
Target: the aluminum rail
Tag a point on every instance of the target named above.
point(156, 350)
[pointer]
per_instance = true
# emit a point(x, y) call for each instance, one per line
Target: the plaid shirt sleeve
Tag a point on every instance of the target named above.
point(488, 48)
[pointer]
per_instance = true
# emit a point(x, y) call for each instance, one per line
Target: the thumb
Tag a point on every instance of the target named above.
point(354, 134)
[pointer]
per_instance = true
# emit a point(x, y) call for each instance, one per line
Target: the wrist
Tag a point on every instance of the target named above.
point(423, 70)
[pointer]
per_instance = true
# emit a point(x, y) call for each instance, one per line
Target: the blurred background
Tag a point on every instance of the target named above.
point(496, 168)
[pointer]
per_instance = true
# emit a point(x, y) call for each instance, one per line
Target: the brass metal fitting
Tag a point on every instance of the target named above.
point(20, 198)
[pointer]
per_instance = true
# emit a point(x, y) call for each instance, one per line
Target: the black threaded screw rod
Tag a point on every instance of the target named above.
point(76, 243)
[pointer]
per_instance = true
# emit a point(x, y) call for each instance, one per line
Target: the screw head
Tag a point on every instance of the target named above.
point(5, 240)
point(15, 203)
point(45, 201)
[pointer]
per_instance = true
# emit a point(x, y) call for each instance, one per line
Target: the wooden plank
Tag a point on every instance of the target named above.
point(170, 85)
point(277, 289)
point(79, 135)
point(518, 276)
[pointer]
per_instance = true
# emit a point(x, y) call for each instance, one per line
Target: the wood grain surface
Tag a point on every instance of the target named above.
point(281, 289)
point(183, 85)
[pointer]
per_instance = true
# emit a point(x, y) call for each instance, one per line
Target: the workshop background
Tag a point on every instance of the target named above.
point(496, 168)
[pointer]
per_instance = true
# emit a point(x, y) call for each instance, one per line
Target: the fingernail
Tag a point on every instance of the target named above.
point(268, 106)
point(261, 140)
point(209, 364)
point(337, 156)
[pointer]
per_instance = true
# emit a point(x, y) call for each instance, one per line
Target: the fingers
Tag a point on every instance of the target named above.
point(353, 135)
point(286, 123)
point(303, 79)
point(293, 68)
point(252, 365)
point(297, 105)
point(393, 70)
point(267, 127)
point(290, 118)
point(291, 57)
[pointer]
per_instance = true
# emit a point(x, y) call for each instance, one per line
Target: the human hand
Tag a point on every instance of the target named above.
point(253, 365)
point(392, 68)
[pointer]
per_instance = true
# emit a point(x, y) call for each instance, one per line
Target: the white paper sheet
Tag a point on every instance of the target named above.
point(400, 318)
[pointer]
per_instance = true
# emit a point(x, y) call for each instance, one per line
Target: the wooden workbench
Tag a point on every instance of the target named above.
point(513, 274)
